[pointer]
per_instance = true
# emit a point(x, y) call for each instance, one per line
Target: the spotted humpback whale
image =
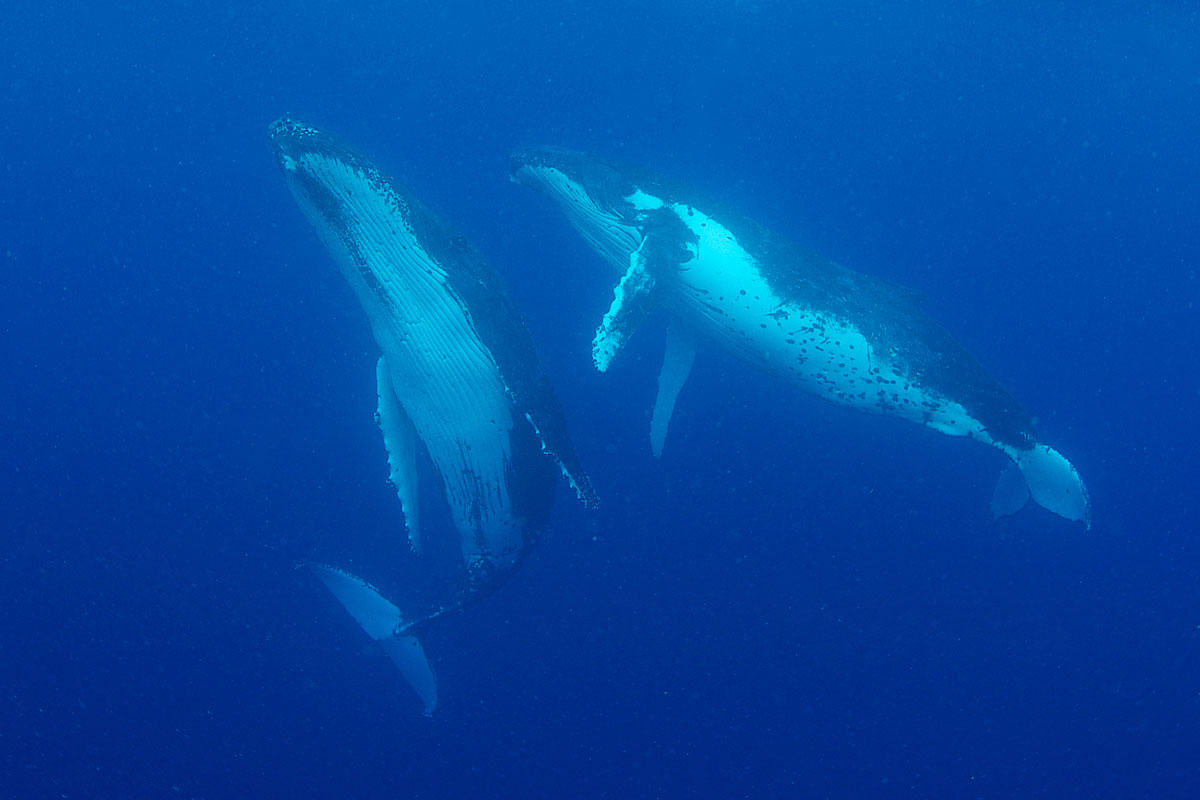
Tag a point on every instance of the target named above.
point(457, 374)
point(845, 336)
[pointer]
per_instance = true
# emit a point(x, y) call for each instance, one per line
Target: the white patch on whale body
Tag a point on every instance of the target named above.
point(643, 201)
point(585, 496)
point(724, 288)
point(444, 376)
point(722, 292)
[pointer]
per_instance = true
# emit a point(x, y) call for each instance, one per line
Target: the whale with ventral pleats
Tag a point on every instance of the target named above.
point(457, 376)
point(845, 336)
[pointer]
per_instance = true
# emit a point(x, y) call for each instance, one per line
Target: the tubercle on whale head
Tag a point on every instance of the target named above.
point(285, 133)
point(517, 160)
point(573, 178)
point(540, 156)
point(286, 126)
point(523, 164)
point(292, 139)
point(533, 163)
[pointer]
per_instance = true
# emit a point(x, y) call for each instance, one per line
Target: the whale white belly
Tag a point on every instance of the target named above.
point(724, 290)
point(445, 377)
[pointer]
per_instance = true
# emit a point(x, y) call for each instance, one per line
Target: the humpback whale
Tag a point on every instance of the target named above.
point(843, 335)
point(457, 375)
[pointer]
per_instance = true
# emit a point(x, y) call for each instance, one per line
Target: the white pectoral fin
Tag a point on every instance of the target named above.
point(400, 440)
point(1052, 481)
point(383, 622)
point(631, 303)
point(677, 365)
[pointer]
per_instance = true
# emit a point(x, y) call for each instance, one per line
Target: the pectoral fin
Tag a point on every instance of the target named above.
point(632, 302)
point(400, 440)
point(677, 365)
point(666, 246)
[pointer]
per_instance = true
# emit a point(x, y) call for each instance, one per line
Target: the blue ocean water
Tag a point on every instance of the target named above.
point(797, 601)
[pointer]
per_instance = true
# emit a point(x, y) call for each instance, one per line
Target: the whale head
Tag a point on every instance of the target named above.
point(593, 194)
point(573, 177)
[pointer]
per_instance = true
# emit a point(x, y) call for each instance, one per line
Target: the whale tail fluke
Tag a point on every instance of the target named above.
point(384, 623)
point(1049, 478)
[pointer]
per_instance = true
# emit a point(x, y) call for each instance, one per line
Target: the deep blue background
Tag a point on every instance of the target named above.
point(797, 601)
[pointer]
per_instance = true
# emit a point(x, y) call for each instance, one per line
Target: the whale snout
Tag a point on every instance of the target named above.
point(521, 167)
point(290, 139)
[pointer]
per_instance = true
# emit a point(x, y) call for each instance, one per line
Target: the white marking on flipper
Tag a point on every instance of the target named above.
point(627, 310)
point(582, 491)
point(677, 365)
